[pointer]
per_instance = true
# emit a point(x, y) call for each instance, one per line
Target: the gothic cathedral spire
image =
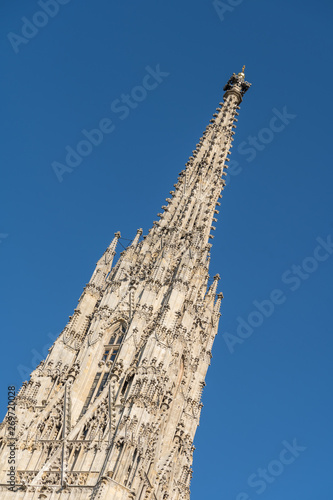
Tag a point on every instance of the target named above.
point(112, 411)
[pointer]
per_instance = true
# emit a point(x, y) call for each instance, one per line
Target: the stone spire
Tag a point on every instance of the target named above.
point(113, 410)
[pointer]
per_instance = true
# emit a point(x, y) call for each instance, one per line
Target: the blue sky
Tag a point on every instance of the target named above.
point(272, 385)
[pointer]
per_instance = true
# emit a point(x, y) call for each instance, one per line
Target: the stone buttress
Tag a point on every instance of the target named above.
point(112, 411)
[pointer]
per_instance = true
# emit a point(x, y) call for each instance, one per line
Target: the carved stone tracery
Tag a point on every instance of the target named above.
point(102, 417)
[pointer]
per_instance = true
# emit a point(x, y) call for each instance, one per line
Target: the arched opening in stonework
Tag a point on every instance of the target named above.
point(108, 358)
point(126, 386)
point(132, 468)
point(74, 457)
point(91, 393)
point(117, 336)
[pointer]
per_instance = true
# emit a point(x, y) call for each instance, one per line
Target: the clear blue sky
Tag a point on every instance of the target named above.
point(275, 385)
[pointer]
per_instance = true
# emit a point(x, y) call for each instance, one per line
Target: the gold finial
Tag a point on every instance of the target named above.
point(242, 74)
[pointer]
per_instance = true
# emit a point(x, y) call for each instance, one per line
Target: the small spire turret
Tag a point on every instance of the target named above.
point(137, 237)
point(237, 85)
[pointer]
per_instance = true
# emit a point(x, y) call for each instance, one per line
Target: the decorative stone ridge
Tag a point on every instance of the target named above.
point(111, 413)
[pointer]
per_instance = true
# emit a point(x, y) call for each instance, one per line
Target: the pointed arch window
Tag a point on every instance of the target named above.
point(109, 355)
point(111, 349)
point(91, 393)
point(127, 384)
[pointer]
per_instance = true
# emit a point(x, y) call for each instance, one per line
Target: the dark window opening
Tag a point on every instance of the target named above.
point(90, 394)
point(102, 384)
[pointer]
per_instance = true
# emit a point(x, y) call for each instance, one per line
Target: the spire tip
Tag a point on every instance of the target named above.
point(242, 74)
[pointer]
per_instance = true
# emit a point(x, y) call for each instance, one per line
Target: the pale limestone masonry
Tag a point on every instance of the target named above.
point(112, 411)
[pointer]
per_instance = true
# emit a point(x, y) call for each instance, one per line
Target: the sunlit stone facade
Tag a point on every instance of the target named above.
point(112, 411)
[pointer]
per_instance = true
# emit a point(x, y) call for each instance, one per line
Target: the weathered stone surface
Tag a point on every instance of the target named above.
point(112, 411)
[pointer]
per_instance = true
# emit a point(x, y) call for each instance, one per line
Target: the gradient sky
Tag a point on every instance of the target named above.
point(275, 386)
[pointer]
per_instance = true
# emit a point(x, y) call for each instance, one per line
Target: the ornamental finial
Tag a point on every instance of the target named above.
point(242, 74)
point(237, 85)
